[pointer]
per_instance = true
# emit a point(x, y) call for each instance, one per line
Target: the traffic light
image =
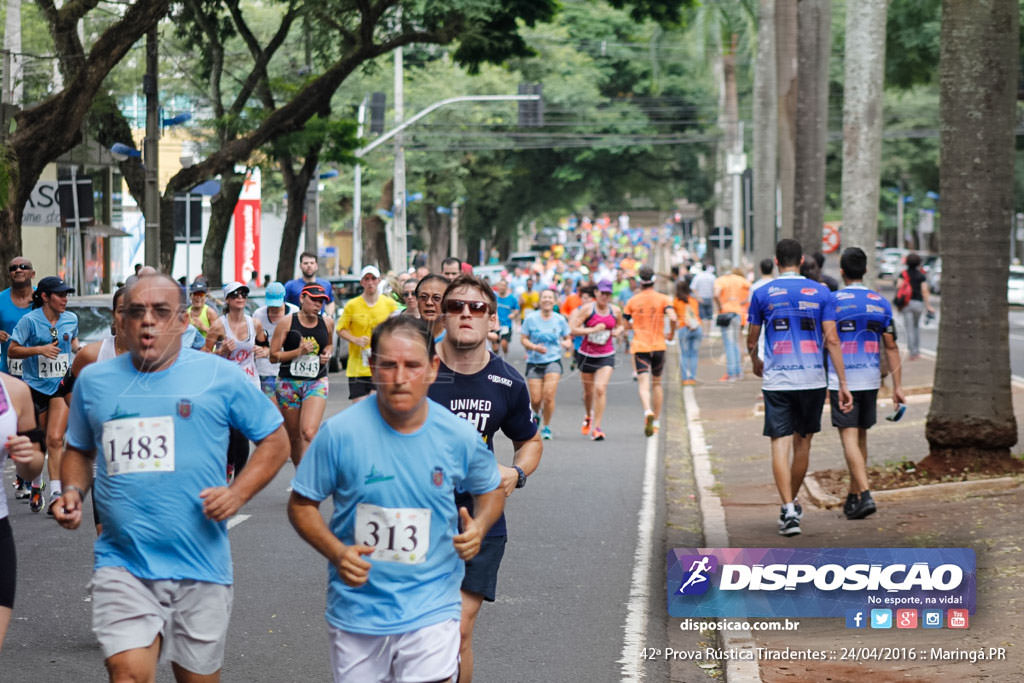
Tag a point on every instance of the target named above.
point(531, 112)
point(377, 103)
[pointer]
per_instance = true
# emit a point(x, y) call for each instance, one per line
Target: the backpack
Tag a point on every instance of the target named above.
point(903, 292)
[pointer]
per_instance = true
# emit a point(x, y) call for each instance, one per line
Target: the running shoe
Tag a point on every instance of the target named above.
point(546, 433)
point(597, 434)
point(865, 506)
point(35, 500)
point(585, 429)
point(851, 502)
point(799, 513)
point(230, 472)
point(535, 418)
point(22, 490)
point(649, 424)
point(790, 524)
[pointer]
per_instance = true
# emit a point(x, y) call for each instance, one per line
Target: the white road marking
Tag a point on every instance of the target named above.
point(639, 592)
point(236, 520)
point(716, 535)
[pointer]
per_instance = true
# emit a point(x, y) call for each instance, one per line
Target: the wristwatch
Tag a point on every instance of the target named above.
point(522, 476)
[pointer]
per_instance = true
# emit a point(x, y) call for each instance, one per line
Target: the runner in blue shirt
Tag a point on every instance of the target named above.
point(798, 320)
point(392, 465)
point(508, 309)
point(15, 303)
point(864, 324)
point(159, 417)
point(293, 288)
point(545, 335)
point(488, 392)
point(45, 341)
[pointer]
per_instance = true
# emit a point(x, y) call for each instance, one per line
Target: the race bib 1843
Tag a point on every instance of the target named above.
point(53, 368)
point(139, 444)
point(306, 366)
point(396, 534)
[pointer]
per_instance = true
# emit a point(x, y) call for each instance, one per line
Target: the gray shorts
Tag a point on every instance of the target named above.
point(539, 370)
point(191, 616)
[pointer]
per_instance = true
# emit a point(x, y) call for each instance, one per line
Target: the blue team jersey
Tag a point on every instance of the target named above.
point(492, 399)
point(160, 438)
point(39, 372)
point(506, 306)
point(547, 332)
point(376, 476)
point(862, 316)
point(9, 317)
point(790, 311)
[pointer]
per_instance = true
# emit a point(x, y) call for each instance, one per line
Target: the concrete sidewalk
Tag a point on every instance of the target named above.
point(731, 415)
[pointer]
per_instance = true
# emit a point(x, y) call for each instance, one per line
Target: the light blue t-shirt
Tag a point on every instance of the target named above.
point(153, 521)
point(791, 310)
point(9, 317)
point(192, 339)
point(35, 330)
point(359, 460)
point(506, 306)
point(547, 332)
point(862, 316)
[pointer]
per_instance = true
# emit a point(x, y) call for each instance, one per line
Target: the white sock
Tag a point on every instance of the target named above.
point(55, 487)
point(790, 509)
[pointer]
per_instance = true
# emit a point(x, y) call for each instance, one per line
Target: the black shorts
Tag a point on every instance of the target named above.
point(539, 370)
point(591, 364)
point(8, 564)
point(507, 336)
point(864, 413)
point(797, 411)
point(359, 387)
point(482, 571)
point(41, 401)
point(649, 361)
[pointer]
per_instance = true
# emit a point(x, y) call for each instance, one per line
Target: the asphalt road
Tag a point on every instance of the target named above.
point(563, 589)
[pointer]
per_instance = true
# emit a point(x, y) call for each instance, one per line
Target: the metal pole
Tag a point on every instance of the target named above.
point(152, 153)
point(899, 219)
point(313, 212)
point(737, 199)
point(398, 257)
point(188, 237)
point(357, 200)
point(453, 240)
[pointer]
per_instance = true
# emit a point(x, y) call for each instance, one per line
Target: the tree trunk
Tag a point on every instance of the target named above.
point(297, 186)
point(375, 239)
point(863, 93)
point(222, 211)
point(438, 236)
point(785, 61)
point(972, 410)
point(813, 50)
point(766, 134)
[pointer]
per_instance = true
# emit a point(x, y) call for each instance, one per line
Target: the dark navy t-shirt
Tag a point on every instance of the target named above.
point(493, 398)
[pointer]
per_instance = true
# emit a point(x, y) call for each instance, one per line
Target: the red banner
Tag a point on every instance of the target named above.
point(247, 228)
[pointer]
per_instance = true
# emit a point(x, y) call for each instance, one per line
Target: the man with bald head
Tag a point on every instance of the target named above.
point(158, 418)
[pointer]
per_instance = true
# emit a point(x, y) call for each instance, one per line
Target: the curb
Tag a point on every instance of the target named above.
point(716, 535)
point(822, 499)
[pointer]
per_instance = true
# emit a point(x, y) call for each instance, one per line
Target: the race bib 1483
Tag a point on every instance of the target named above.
point(139, 444)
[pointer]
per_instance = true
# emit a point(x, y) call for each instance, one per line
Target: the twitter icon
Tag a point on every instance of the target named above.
point(881, 618)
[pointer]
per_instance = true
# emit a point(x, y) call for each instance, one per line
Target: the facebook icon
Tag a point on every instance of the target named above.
point(855, 619)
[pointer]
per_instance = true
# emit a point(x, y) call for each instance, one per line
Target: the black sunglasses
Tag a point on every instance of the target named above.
point(455, 307)
point(240, 295)
point(20, 266)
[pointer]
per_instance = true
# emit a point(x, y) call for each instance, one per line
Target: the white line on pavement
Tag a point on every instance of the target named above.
point(236, 520)
point(639, 592)
point(716, 535)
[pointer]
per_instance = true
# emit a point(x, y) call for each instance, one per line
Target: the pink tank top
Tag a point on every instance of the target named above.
point(599, 343)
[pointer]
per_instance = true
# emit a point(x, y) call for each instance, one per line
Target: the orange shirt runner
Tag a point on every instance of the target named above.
point(646, 308)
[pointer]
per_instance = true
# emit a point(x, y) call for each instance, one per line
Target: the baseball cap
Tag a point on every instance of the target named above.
point(646, 275)
point(315, 291)
point(604, 286)
point(275, 294)
point(198, 286)
point(53, 285)
point(369, 270)
point(232, 287)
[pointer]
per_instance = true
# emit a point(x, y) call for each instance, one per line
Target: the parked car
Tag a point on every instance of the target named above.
point(890, 261)
point(345, 287)
point(1015, 286)
point(492, 273)
point(95, 313)
point(521, 259)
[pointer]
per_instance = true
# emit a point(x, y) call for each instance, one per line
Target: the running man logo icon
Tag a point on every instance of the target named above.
point(696, 582)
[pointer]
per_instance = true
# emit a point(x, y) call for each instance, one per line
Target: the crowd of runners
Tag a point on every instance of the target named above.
point(185, 412)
